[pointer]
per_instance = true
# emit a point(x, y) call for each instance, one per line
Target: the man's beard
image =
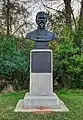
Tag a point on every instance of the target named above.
point(41, 24)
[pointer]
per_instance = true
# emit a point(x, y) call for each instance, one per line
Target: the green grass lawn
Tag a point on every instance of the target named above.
point(73, 100)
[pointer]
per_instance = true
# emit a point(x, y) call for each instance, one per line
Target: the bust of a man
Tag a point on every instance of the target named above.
point(41, 36)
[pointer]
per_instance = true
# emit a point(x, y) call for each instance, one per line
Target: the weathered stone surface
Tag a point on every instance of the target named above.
point(43, 101)
point(41, 84)
point(20, 108)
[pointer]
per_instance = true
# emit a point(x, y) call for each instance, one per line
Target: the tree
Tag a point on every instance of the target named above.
point(7, 16)
point(68, 12)
point(13, 16)
point(81, 15)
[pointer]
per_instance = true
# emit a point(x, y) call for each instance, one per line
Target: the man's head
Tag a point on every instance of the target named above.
point(41, 19)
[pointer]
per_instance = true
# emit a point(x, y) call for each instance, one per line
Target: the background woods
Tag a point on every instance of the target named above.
point(14, 16)
point(15, 49)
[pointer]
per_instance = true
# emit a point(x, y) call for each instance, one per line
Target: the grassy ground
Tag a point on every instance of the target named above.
point(73, 100)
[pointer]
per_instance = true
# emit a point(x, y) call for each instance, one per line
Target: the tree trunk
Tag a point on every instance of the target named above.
point(68, 12)
point(81, 15)
point(8, 17)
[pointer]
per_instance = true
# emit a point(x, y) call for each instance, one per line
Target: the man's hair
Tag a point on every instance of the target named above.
point(41, 13)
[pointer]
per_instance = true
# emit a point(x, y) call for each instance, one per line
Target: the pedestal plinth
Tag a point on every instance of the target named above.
point(41, 85)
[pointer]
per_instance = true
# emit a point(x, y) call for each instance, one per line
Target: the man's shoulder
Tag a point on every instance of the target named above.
point(52, 34)
point(29, 34)
point(32, 32)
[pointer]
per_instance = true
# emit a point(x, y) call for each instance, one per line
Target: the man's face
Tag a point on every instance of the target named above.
point(41, 20)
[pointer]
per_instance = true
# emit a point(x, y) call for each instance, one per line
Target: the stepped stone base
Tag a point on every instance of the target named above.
point(40, 103)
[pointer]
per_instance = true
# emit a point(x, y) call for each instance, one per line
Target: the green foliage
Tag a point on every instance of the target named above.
point(14, 63)
point(10, 58)
point(68, 61)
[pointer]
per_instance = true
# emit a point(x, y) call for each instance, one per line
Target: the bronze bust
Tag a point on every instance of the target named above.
point(41, 36)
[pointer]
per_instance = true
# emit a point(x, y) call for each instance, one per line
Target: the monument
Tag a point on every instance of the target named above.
point(41, 73)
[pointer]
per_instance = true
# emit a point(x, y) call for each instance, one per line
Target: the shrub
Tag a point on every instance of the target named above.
point(14, 63)
point(68, 62)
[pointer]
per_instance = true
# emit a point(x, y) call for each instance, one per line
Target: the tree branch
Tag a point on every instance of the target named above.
point(47, 6)
point(20, 27)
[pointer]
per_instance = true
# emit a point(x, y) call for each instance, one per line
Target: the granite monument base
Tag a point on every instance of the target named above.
point(41, 96)
point(40, 103)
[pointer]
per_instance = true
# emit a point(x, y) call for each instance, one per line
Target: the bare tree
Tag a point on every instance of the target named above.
point(14, 16)
point(68, 12)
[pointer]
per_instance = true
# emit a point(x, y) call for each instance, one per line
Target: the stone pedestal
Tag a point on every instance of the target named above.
point(33, 102)
point(41, 85)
